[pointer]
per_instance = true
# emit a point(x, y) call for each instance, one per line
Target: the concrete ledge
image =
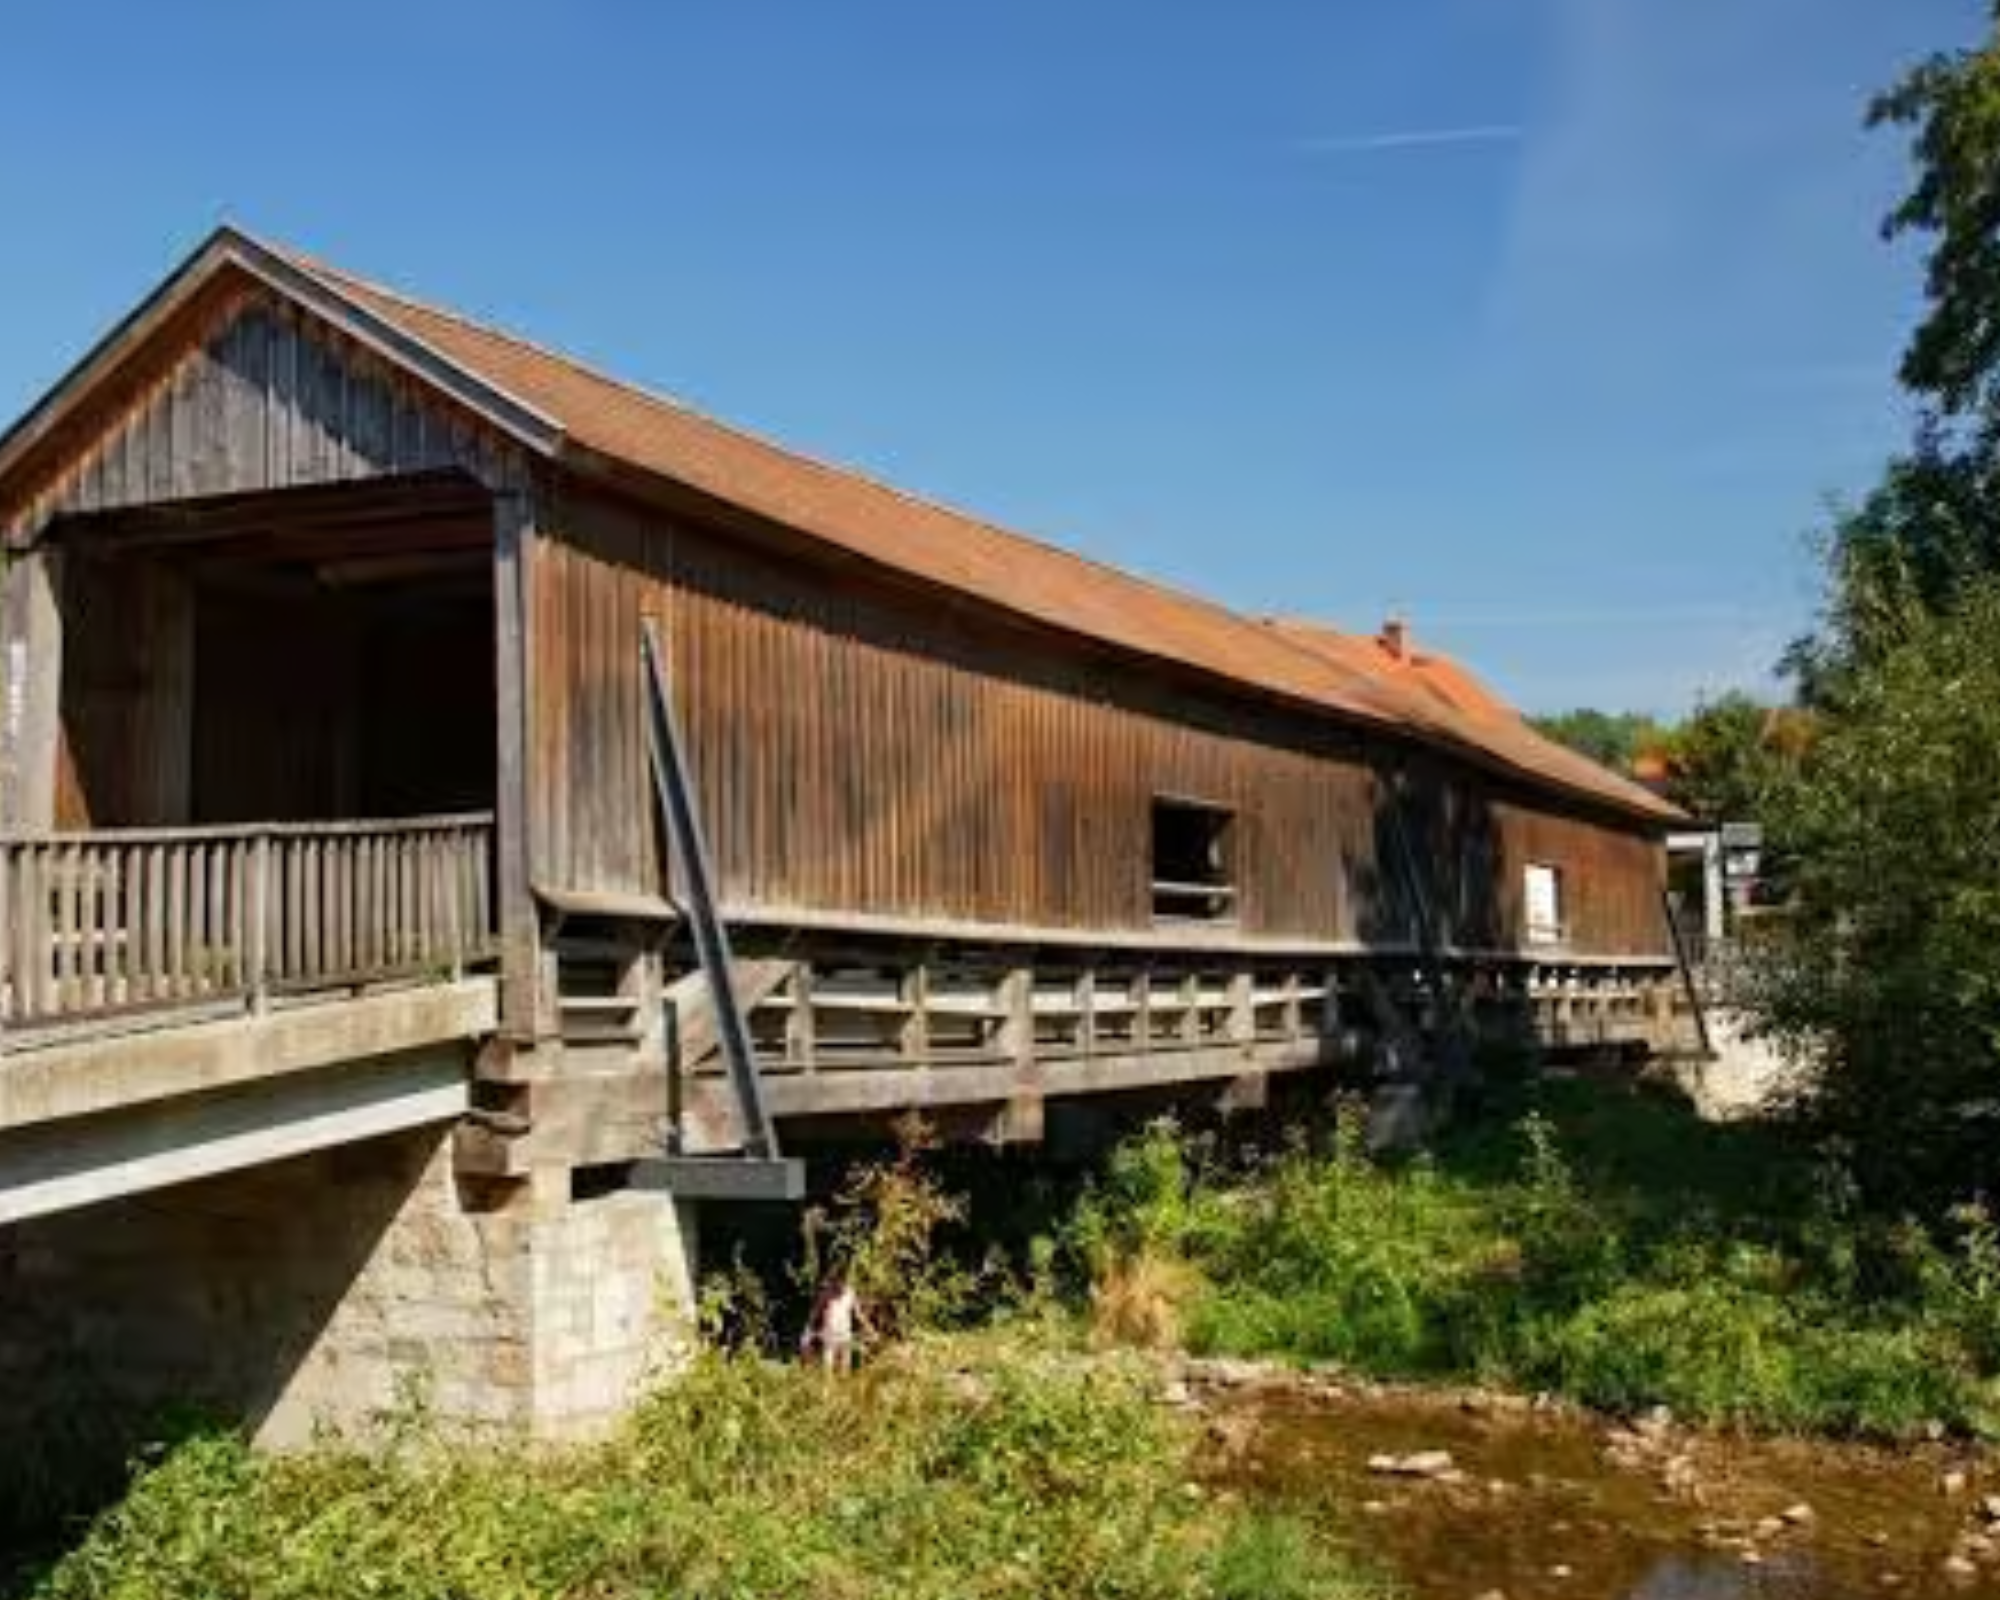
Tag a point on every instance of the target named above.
point(92, 1077)
point(60, 1166)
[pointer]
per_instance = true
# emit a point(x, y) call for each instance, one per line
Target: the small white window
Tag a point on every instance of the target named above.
point(1542, 898)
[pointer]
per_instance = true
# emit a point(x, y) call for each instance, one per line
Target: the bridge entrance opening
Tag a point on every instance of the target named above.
point(302, 656)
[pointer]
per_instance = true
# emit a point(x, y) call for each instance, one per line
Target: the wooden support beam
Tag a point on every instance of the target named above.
point(31, 667)
point(524, 1006)
point(691, 995)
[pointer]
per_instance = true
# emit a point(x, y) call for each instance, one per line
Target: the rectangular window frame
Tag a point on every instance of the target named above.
point(1544, 916)
point(1183, 890)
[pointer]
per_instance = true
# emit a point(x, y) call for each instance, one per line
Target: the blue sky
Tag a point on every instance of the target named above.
point(1552, 323)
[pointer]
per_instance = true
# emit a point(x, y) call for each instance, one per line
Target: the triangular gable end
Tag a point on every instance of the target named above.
point(243, 372)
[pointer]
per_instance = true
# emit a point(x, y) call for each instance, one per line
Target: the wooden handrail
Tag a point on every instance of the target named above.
point(250, 830)
point(100, 923)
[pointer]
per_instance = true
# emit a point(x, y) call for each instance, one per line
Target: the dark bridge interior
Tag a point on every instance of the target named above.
point(304, 655)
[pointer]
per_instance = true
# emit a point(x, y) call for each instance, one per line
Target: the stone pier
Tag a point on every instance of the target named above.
point(337, 1289)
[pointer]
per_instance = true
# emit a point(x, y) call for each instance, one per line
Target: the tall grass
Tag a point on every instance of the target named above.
point(743, 1478)
point(1603, 1244)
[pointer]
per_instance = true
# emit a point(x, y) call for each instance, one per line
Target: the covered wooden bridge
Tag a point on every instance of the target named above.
point(342, 800)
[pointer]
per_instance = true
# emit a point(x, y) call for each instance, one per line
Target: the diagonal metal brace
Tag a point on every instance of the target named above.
point(674, 788)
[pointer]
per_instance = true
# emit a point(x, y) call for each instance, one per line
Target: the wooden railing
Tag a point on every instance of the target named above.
point(824, 1012)
point(94, 924)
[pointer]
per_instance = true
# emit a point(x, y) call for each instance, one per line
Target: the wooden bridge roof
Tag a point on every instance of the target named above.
point(588, 420)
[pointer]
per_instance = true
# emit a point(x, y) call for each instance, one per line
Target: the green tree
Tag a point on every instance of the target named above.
point(1900, 558)
point(1951, 106)
point(1726, 761)
point(1932, 526)
point(1892, 985)
point(1611, 739)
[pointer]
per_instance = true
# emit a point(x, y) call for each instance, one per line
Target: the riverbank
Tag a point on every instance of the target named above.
point(1586, 1237)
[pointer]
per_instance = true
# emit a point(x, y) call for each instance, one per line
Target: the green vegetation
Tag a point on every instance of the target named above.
point(1892, 978)
point(741, 1479)
point(1608, 1246)
point(1611, 739)
point(1721, 763)
point(1889, 824)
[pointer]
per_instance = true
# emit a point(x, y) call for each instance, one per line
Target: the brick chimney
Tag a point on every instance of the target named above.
point(1395, 637)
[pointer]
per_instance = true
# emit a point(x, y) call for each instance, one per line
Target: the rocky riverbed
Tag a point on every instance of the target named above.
point(1470, 1495)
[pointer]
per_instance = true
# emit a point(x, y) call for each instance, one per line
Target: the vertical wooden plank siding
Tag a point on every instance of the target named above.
point(252, 393)
point(856, 752)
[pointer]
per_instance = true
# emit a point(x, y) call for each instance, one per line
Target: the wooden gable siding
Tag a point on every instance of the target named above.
point(247, 392)
point(858, 752)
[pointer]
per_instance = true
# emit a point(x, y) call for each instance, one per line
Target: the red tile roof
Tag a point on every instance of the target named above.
point(1428, 696)
point(1443, 694)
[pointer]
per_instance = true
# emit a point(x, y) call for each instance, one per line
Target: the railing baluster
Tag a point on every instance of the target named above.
point(214, 921)
point(156, 929)
point(342, 857)
point(176, 911)
point(99, 918)
point(309, 909)
point(257, 921)
point(380, 952)
point(294, 907)
point(406, 903)
point(67, 871)
point(32, 917)
point(422, 920)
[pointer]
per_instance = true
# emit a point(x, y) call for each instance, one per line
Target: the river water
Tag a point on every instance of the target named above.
point(1545, 1502)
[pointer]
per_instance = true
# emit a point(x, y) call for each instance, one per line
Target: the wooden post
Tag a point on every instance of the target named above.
point(524, 1015)
point(1242, 1010)
point(914, 1037)
point(800, 1035)
point(1190, 1019)
point(1022, 1121)
point(1086, 1011)
point(31, 660)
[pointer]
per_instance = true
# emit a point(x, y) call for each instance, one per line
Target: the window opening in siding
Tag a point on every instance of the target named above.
point(1542, 899)
point(1194, 866)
